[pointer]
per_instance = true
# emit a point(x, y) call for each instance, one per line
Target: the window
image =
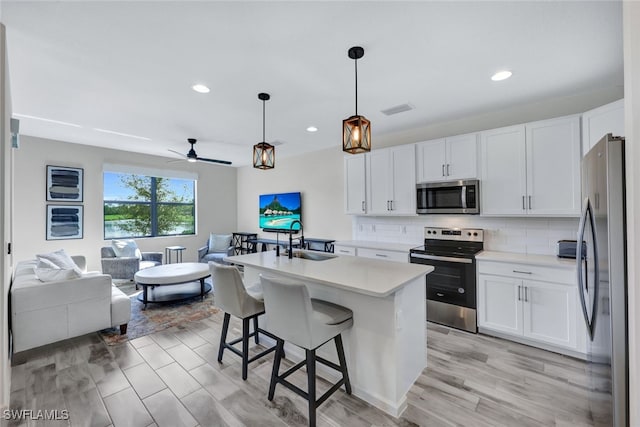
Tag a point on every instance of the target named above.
point(147, 206)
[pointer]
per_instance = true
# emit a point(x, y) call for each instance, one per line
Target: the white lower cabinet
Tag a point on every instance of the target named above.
point(383, 254)
point(344, 250)
point(374, 253)
point(536, 305)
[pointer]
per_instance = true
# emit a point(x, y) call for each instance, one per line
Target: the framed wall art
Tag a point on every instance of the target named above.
point(64, 222)
point(64, 184)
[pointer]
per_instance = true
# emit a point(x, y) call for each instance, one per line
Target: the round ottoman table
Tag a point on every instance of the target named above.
point(173, 282)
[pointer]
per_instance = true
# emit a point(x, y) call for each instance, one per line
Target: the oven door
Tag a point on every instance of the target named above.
point(453, 197)
point(453, 280)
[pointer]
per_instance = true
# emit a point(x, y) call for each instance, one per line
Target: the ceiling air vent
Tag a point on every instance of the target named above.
point(398, 109)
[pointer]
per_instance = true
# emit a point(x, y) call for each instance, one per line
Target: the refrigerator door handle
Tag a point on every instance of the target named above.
point(583, 290)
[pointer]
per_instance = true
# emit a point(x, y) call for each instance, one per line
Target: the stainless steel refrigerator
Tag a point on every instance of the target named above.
point(602, 280)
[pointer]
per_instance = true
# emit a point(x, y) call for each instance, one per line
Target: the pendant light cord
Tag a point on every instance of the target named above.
point(263, 121)
point(356, 66)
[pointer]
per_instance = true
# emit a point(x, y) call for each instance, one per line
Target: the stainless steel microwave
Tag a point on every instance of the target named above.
point(449, 197)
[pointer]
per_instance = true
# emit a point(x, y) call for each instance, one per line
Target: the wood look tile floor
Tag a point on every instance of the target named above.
point(172, 378)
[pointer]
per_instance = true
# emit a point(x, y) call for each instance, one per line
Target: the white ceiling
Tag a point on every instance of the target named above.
point(128, 67)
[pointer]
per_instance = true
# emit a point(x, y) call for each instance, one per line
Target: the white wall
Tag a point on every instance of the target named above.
point(216, 198)
point(631, 40)
point(318, 176)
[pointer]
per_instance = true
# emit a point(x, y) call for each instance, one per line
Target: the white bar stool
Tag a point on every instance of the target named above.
point(232, 297)
point(308, 323)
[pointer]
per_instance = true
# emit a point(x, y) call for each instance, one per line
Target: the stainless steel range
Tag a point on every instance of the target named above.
point(451, 287)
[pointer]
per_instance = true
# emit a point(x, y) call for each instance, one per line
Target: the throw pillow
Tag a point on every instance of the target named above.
point(45, 263)
point(126, 249)
point(219, 242)
point(59, 259)
point(56, 274)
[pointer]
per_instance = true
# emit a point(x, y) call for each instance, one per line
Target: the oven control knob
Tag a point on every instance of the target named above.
point(428, 231)
point(461, 290)
point(475, 234)
point(469, 234)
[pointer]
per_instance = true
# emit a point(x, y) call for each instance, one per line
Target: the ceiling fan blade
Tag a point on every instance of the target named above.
point(178, 153)
point(223, 162)
point(175, 161)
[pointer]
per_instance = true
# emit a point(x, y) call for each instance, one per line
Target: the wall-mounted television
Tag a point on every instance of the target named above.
point(278, 211)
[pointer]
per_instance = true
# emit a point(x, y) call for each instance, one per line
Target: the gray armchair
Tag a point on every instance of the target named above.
point(124, 268)
point(218, 251)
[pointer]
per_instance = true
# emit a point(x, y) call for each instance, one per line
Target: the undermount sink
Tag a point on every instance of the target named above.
point(312, 256)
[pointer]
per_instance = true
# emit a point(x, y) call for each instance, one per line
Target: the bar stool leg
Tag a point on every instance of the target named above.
point(311, 379)
point(343, 363)
point(276, 368)
point(245, 347)
point(255, 329)
point(223, 336)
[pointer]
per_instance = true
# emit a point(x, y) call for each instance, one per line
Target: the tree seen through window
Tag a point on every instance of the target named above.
point(144, 206)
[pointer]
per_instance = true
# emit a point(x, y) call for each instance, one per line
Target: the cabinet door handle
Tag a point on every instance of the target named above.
point(443, 169)
point(363, 206)
point(391, 204)
point(529, 202)
point(522, 272)
point(448, 169)
point(526, 297)
point(440, 294)
point(519, 293)
point(523, 205)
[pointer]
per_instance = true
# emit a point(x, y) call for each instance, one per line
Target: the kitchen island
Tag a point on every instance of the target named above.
point(386, 347)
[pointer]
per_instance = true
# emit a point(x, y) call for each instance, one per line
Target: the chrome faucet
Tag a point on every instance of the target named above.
point(291, 237)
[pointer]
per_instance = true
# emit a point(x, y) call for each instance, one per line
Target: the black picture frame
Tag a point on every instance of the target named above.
point(65, 222)
point(64, 184)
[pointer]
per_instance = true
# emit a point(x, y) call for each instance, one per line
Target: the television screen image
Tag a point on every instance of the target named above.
point(278, 211)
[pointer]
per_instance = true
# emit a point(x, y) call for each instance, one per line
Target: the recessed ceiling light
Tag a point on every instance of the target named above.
point(312, 129)
point(501, 75)
point(200, 88)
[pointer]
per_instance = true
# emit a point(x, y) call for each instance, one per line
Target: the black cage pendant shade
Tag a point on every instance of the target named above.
point(264, 154)
point(356, 130)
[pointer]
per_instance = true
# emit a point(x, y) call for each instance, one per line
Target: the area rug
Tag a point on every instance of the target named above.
point(158, 316)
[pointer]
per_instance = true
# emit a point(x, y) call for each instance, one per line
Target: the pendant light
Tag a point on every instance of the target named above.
point(356, 130)
point(264, 154)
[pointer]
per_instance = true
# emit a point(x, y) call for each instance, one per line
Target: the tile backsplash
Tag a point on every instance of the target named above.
point(521, 235)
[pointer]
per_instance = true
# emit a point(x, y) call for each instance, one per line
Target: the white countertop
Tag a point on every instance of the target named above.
point(531, 259)
point(362, 275)
point(397, 247)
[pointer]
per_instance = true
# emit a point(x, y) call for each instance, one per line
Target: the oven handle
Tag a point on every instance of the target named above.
point(443, 258)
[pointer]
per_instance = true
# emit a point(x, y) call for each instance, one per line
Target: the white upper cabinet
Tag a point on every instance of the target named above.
point(447, 158)
point(379, 179)
point(354, 184)
point(432, 157)
point(553, 167)
point(391, 178)
point(531, 169)
point(600, 121)
point(503, 171)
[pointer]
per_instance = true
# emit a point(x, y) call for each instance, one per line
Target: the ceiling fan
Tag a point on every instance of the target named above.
point(191, 156)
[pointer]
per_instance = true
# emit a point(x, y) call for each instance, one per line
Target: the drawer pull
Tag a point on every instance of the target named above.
point(523, 272)
point(439, 294)
point(382, 255)
point(343, 251)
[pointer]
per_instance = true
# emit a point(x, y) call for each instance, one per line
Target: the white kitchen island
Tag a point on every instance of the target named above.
point(386, 347)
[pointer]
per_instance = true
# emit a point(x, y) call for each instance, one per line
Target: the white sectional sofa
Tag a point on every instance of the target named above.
point(46, 312)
